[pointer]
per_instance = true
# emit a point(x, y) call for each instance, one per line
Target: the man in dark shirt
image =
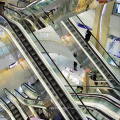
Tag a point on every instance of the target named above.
point(87, 36)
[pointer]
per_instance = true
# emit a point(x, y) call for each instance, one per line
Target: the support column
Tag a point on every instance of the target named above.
point(96, 25)
point(104, 23)
point(86, 83)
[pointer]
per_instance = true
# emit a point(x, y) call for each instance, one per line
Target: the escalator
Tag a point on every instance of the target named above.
point(15, 106)
point(6, 107)
point(105, 104)
point(103, 68)
point(15, 111)
point(41, 68)
point(28, 101)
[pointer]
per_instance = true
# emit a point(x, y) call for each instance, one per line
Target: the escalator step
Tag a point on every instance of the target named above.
point(107, 74)
point(77, 117)
point(39, 62)
point(70, 28)
point(90, 53)
point(17, 30)
point(20, 118)
point(94, 113)
point(57, 88)
point(17, 115)
point(20, 34)
point(22, 38)
point(43, 67)
point(12, 107)
point(93, 57)
point(74, 32)
point(29, 48)
point(61, 93)
point(64, 99)
point(14, 26)
point(72, 111)
point(96, 60)
point(67, 23)
point(10, 104)
point(99, 65)
point(53, 83)
point(50, 77)
point(46, 72)
point(78, 37)
point(32, 52)
point(26, 43)
point(68, 104)
point(15, 111)
point(36, 57)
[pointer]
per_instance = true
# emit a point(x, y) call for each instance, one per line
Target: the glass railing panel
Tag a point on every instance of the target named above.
point(28, 100)
point(82, 28)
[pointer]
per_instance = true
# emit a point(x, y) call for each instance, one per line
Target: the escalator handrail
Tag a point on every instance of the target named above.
point(12, 10)
point(94, 52)
point(98, 42)
point(22, 8)
point(97, 86)
point(25, 97)
point(105, 87)
point(100, 111)
point(30, 88)
point(17, 100)
point(113, 102)
point(6, 105)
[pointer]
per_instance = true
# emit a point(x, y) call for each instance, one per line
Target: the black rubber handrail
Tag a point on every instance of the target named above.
point(100, 111)
point(98, 42)
point(99, 59)
point(28, 87)
point(17, 100)
point(22, 7)
point(12, 10)
point(97, 86)
point(7, 105)
point(113, 102)
point(28, 96)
